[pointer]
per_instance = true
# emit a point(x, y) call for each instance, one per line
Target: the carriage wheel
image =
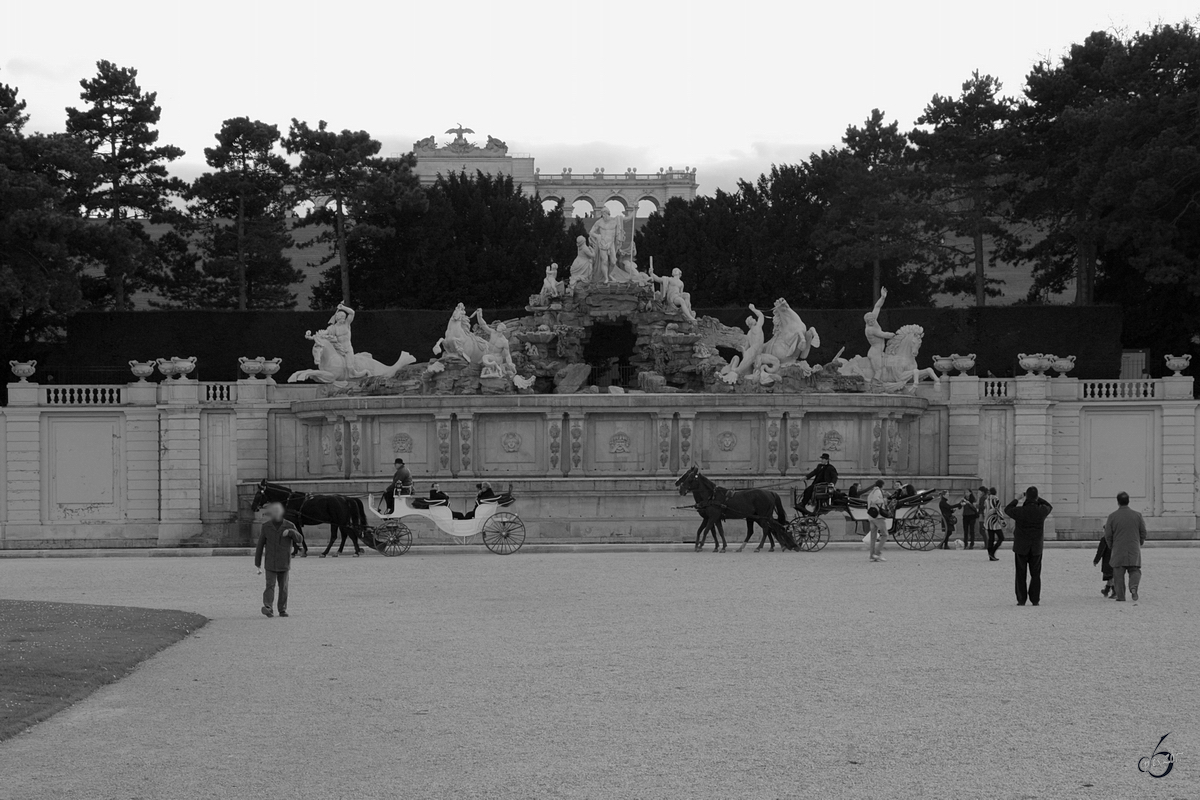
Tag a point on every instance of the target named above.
point(393, 538)
point(902, 533)
point(810, 533)
point(503, 533)
point(921, 529)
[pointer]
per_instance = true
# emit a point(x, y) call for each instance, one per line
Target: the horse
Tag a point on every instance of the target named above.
point(791, 340)
point(332, 367)
point(899, 368)
point(716, 503)
point(338, 512)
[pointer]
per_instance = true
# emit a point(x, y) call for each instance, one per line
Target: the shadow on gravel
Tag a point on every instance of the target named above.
point(55, 654)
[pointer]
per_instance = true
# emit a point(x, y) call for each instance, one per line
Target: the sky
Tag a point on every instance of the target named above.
point(728, 88)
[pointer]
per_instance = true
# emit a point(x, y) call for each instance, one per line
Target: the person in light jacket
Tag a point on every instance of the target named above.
point(876, 507)
point(1125, 532)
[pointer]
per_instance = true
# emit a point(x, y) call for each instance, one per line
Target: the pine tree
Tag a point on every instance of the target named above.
point(131, 181)
point(965, 179)
point(39, 268)
point(333, 168)
point(240, 212)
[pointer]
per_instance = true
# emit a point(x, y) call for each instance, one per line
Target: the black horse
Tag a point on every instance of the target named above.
point(344, 514)
point(716, 503)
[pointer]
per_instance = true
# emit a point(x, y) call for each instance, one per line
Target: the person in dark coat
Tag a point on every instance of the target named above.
point(1125, 532)
point(970, 513)
point(274, 552)
point(947, 519)
point(823, 472)
point(1029, 539)
point(1102, 553)
point(402, 483)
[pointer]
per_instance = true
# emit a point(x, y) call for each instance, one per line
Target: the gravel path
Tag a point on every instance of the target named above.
point(637, 675)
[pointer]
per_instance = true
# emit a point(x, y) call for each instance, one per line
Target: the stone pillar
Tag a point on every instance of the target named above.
point(23, 459)
point(355, 445)
point(464, 444)
point(664, 439)
point(442, 425)
point(963, 432)
point(251, 420)
point(1179, 452)
point(776, 458)
point(556, 464)
point(576, 465)
point(687, 425)
point(179, 483)
point(1033, 460)
point(142, 469)
point(795, 421)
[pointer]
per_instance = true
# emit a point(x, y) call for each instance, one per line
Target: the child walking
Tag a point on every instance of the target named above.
point(275, 553)
point(1103, 551)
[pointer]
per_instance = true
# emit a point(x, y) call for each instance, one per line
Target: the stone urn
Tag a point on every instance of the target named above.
point(183, 366)
point(270, 366)
point(1029, 362)
point(167, 367)
point(23, 369)
point(1176, 364)
point(964, 364)
point(141, 370)
point(944, 364)
point(1063, 364)
point(251, 366)
point(1046, 362)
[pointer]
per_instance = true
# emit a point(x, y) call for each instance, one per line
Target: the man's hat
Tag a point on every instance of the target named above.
point(825, 456)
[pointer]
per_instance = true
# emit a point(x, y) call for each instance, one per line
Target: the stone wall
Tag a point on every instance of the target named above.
point(174, 464)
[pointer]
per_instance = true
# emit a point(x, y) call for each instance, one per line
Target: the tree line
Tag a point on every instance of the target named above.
point(1090, 177)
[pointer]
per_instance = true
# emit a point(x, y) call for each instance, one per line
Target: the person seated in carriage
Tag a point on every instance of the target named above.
point(823, 477)
point(436, 499)
point(485, 493)
point(402, 483)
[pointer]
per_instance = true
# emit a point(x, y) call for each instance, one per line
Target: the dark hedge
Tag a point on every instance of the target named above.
point(218, 338)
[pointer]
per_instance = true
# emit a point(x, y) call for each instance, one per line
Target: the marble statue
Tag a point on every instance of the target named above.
point(460, 340)
point(743, 364)
point(334, 356)
point(497, 345)
point(896, 367)
point(673, 295)
point(551, 286)
point(626, 270)
point(584, 263)
point(877, 339)
point(606, 237)
point(791, 340)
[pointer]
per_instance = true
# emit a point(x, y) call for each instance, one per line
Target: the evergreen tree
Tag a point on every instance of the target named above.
point(39, 270)
point(334, 167)
point(130, 182)
point(965, 173)
point(240, 213)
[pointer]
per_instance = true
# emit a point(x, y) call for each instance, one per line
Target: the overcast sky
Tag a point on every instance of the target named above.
point(728, 88)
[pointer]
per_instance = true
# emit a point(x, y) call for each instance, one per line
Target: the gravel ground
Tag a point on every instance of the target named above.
point(631, 675)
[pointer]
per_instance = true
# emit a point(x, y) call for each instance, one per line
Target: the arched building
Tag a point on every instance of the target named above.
point(580, 193)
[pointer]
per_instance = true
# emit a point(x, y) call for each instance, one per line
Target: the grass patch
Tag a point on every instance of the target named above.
point(56, 654)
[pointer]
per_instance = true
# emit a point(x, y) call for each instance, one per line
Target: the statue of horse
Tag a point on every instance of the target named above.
point(791, 340)
point(900, 368)
point(332, 367)
point(460, 340)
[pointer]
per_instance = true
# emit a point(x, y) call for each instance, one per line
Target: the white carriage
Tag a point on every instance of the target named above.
point(503, 532)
